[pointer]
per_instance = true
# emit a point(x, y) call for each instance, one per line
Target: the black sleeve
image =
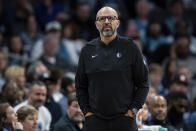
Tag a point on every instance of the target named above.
point(140, 78)
point(81, 82)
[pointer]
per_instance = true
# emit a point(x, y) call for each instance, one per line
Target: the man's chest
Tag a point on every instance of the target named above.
point(107, 59)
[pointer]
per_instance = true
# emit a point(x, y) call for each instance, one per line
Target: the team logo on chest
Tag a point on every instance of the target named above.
point(118, 54)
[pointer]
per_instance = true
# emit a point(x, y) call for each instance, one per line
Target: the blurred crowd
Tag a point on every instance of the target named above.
point(40, 43)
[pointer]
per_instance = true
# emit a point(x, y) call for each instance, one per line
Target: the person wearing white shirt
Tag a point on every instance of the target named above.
point(37, 98)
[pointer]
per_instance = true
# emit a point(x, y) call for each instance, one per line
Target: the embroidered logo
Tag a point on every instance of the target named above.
point(119, 55)
point(93, 56)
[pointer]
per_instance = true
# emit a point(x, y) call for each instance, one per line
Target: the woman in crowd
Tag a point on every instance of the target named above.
point(8, 119)
point(28, 116)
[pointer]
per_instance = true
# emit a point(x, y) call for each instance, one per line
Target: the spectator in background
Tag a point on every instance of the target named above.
point(176, 14)
point(158, 110)
point(71, 45)
point(156, 74)
point(16, 12)
point(3, 44)
point(35, 71)
point(67, 87)
point(16, 54)
point(179, 83)
point(30, 35)
point(8, 119)
point(132, 30)
point(50, 57)
point(181, 29)
point(28, 116)
point(170, 71)
point(192, 117)
point(17, 74)
point(154, 43)
point(52, 28)
point(53, 91)
point(178, 104)
point(11, 93)
point(73, 120)
point(142, 11)
point(82, 17)
point(37, 98)
point(3, 66)
point(183, 70)
point(48, 11)
point(183, 55)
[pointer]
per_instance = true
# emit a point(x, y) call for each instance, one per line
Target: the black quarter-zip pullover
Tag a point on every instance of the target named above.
point(111, 78)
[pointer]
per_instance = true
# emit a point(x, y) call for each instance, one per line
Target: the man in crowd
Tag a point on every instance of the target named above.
point(37, 98)
point(73, 120)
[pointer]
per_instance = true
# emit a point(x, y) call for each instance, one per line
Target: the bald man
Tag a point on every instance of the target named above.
point(158, 110)
point(111, 79)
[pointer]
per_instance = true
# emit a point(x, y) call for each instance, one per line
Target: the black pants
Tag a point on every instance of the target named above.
point(122, 123)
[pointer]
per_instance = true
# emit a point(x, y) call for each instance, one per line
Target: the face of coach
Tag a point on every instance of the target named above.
point(107, 22)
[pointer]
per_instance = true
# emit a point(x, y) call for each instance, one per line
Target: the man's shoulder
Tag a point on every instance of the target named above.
point(43, 109)
point(63, 123)
point(20, 105)
point(126, 39)
point(92, 42)
point(89, 45)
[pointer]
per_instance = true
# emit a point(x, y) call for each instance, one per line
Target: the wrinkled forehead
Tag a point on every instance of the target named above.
point(106, 11)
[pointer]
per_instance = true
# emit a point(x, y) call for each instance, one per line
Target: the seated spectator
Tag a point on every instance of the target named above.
point(67, 87)
point(28, 116)
point(192, 117)
point(177, 13)
point(131, 30)
point(53, 95)
point(71, 45)
point(17, 74)
point(35, 71)
point(142, 9)
point(8, 119)
point(82, 17)
point(154, 43)
point(11, 89)
point(181, 29)
point(37, 98)
point(177, 103)
point(3, 66)
point(180, 83)
point(158, 110)
point(156, 75)
point(170, 70)
point(52, 28)
point(48, 10)
point(30, 35)
point(50, 58)
point(16, 54)
point(73, 120)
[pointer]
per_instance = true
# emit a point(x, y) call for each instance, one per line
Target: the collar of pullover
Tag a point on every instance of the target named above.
point(109, 44)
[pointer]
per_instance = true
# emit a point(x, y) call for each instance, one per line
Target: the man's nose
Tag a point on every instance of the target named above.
point(106, 20)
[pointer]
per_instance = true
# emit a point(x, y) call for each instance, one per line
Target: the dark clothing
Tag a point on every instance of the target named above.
point(60, 63)
point(176, 120)
point(65, 124)
point(111, 78)
point(122, 123)
point(55, 110)
point(165, 125)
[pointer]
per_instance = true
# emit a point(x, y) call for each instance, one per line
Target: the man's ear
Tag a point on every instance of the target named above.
point(96, 24)
point(118, 24)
